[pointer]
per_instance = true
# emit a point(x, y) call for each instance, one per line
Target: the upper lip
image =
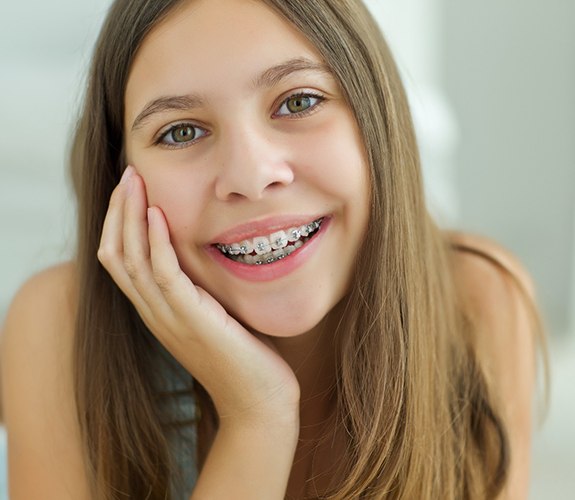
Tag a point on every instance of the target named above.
point(262, 227)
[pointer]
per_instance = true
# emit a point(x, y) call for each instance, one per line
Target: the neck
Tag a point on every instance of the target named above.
point(322, 445)
point(312, 357)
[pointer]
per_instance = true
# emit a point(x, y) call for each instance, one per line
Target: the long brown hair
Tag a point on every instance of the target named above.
point(420, 421)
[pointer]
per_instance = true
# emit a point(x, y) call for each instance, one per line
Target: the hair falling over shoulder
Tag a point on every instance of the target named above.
point(420, 420)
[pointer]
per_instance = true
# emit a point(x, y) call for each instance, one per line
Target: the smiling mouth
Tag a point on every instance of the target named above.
point(263, 250)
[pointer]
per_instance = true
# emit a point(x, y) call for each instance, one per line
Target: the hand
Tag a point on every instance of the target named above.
point(245, 377)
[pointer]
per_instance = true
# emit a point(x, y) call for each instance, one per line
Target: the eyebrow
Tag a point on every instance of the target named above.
point(268, 78)
point(167, 103)
point(275, 74)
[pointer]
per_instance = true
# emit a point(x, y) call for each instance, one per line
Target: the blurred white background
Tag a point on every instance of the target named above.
point(492, 90)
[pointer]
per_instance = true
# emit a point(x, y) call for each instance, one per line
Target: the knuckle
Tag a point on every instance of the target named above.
point(132, 268)
point(164, 282)
point(105, 255)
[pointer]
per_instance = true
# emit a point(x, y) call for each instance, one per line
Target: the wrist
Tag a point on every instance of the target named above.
point(282, 412)
point(283, 419)
point(274, 432)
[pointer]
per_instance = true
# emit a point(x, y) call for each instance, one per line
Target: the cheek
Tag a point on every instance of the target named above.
point(335, 160)
point(181, 194)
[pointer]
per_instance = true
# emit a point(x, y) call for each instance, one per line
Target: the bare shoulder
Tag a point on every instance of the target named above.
point(471, 244)
point(42, 312)
point(498, 295)
point(51, 290)
point(41, 315)
point(37, 388)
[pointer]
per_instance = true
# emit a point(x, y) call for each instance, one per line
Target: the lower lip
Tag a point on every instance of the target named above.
point(275, 270)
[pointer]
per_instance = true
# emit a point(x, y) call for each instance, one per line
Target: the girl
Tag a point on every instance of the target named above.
point(260, 306)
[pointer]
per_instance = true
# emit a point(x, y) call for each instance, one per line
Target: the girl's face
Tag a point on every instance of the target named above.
point(244, 140)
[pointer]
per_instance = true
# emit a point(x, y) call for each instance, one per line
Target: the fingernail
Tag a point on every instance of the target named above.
point(127, 174)
point(150, 214)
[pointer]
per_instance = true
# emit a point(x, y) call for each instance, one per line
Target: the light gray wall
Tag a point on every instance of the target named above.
point(44, 49)
point(509, 71)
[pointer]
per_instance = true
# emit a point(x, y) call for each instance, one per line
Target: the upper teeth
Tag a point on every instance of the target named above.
point(265, 244)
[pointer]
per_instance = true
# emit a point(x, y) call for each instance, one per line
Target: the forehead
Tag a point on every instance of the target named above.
point(203, 42)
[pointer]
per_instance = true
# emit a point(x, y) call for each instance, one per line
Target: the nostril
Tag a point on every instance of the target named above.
point(276, 184)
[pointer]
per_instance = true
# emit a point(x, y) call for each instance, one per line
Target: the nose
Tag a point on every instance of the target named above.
point(251, 165)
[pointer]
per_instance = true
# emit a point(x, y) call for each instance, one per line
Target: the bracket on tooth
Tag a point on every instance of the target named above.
point(246, 247)
point(262, 245)
point(294, 235)
point(276, 241)
point(311, 227)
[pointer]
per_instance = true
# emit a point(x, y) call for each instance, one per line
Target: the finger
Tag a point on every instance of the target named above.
point(197, 308)
point(186, 300)
point(136, 251)
point(111, 249)
point(111, 246)
point(166, 269)
point(135, 232)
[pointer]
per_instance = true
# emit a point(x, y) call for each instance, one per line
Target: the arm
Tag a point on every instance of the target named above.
point(44, 450)
point(249, 462)
point(500, 299)
point(253, 389)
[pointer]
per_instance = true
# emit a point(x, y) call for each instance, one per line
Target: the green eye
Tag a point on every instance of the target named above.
point(182, 134)
point(299, 104)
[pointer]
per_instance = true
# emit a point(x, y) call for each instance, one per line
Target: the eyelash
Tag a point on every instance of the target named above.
point(317, 99)
point(177, 145)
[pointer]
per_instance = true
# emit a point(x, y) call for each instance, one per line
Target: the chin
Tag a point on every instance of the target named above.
point(284, 320)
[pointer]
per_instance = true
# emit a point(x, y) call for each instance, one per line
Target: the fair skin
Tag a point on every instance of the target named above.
point(252, 163)
point(252, 167)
